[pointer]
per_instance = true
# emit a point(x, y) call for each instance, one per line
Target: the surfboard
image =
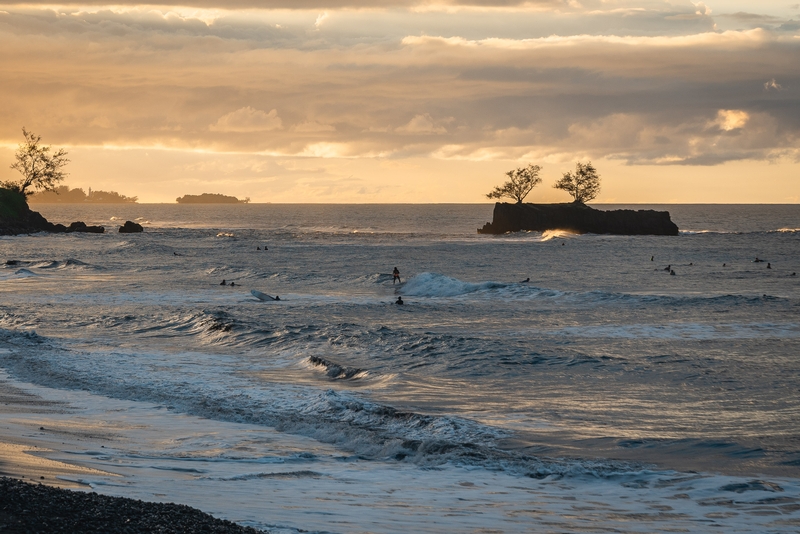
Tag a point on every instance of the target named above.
point(260, 296)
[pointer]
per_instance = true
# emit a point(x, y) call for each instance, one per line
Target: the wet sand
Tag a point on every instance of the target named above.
point(38, 494)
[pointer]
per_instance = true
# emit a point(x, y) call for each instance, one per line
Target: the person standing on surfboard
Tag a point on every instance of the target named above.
point(396, 276)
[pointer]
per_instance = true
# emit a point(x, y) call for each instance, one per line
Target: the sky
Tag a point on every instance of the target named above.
point(413, 101)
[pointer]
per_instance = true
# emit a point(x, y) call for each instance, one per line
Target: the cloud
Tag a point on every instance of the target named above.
point(731, 119)
point(701, 8)
point(772, 85)
point(247, 119)
point(312, 4)
point(421, 124)
point(102, 122)
point(653, 94)
point(313, 127)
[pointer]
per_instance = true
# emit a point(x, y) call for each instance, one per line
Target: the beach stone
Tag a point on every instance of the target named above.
point(130, 227)
point(26, 507)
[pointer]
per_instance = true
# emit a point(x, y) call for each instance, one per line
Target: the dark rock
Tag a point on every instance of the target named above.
point(25, 222)
point(578, 218)
point(80, 226)
point(130, 227)
point(16, 218)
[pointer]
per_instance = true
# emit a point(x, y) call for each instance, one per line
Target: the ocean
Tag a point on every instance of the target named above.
point(603, 395)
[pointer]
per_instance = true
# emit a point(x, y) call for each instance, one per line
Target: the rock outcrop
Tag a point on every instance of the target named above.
point(578, 218)
point(130, 227)
point(81, 226)
point(17, 218)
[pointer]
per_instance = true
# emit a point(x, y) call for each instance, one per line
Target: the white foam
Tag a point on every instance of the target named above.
point(547, 235)
point(439, 285)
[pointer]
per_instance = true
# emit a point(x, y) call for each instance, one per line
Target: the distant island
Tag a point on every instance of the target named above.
point(577, 217)
point(64, 195)
point(210, 198)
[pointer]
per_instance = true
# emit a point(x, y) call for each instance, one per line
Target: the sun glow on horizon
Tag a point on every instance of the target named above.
point(409, 101)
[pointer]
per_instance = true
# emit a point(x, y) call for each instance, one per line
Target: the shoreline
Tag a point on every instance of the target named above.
point(38, 494)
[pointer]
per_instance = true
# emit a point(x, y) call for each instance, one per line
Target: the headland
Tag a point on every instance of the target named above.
point(578, 218)
point(16, 218)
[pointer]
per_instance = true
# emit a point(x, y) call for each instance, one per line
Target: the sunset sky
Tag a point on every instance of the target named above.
point(409, 101)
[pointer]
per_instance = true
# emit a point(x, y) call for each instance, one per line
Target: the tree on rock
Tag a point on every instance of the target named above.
point(521, 182)
point(40, 170)
point(583, 184)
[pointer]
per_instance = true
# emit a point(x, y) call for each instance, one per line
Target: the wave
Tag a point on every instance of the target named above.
point(435, 285)
point(336, 371)
point(212, 327)
point(23, 273)
point(439, 285)
point(547, 235)
point(69, 263)
point(691, 331)
point(370, 430)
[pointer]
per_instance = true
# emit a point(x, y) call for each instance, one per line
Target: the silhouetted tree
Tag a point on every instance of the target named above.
point(583, 185)
point(39, 169)
point(521, 182)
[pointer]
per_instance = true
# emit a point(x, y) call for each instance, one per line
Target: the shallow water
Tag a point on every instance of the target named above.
point(602, 394)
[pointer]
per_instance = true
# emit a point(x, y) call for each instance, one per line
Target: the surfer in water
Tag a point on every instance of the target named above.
point(223, 283)
point(526, 280)
point(399, 301)
point(396, 277)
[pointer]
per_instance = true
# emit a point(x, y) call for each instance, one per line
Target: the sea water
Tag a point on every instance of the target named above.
point(605, 394)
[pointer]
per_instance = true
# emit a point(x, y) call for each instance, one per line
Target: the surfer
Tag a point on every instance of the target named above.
point(396, 277)
point(526, 280)
point(399, 301)
point(258, 248)
point(223, 283)
point(668, 267)
point(233, 284)
point(277, 297)
point(671, 272)
point(769, 266)
point(758, 260)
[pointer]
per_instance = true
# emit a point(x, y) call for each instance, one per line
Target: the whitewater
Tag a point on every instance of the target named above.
point(604, 394)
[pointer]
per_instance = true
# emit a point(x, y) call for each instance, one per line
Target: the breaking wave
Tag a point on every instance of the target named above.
point(439, 285)
point(336, 371)
point(369, 429)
